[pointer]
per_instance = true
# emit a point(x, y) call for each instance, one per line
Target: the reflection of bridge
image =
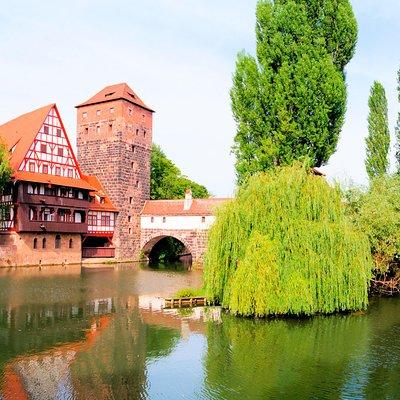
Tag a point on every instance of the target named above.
point(185, 220)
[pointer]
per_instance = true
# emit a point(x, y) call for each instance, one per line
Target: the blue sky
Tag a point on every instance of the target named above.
point(178, 56)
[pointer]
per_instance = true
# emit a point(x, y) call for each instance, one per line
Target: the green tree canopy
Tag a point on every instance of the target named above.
point(285, 246)
point(378, 140)
point(398, 125)
point(289, 101)
point(5, 169)
point(167, 182)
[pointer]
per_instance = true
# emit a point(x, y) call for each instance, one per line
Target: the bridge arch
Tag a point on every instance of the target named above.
point(148, 244)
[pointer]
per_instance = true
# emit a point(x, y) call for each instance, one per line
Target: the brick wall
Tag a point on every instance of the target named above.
point(116, 147)
point(17, 249)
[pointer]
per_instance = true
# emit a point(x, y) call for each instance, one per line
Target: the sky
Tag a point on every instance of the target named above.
point(179, 57)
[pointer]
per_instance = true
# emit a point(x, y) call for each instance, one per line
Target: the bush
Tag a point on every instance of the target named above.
point(189, 292)
point(285, 246)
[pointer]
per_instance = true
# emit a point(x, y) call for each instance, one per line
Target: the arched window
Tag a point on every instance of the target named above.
point(35, 243)
point(57, 242)
point(71, 243)
point(44, 243)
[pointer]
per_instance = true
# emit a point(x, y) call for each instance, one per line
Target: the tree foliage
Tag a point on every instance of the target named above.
point(5, 169)
point(285, 246)
point(289, 101)
point(167, 182)
point(378, 140)
point(377, 213)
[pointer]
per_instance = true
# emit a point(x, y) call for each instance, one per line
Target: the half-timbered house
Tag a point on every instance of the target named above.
point(49, 207)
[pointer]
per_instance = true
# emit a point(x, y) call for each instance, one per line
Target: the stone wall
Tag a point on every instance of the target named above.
point(195, 241)
point(17, 249)
point(117, 149)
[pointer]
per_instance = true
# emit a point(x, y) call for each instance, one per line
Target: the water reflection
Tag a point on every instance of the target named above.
point(103, 334)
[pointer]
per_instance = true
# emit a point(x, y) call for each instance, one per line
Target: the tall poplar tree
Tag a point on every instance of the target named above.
point(378, 139)
point(397, 129)
point(289, 100)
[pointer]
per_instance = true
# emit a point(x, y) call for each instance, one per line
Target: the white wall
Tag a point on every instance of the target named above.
point(177, 222)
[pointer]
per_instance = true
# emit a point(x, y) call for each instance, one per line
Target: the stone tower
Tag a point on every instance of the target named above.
point(114, 138)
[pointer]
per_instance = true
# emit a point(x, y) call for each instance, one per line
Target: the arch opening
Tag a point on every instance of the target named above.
point(166, 250)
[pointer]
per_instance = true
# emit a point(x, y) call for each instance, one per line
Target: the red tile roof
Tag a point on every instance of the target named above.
point(99, 191)
point(115, 92)
point(21, 131)
point(175, 207)
point(51, 179)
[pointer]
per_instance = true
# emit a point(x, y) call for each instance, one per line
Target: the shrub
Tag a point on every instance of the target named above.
point(285, 246)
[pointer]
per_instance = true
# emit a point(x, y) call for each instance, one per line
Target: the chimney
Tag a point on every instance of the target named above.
point(188, 200)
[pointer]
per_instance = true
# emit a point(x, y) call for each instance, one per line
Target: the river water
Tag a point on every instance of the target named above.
point(67, 333)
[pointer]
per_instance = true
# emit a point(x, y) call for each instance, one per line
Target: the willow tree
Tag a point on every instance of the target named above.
point(397, 129)
point(285, 246)
point(289, 100)
point(378, 139)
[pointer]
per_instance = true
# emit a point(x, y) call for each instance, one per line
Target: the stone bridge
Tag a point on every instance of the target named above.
point(186, 220)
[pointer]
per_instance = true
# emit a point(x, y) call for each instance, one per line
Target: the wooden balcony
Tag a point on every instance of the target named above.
point(54, 201)
point(98, 252)
point(51, 226)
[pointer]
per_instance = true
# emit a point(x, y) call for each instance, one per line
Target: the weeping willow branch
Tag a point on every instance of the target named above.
point(285, 246)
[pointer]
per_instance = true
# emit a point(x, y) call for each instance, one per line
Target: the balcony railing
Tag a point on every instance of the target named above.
point(52, 226)
point(98, 252)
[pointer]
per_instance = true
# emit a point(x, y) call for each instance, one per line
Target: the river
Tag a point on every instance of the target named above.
point(67, 333)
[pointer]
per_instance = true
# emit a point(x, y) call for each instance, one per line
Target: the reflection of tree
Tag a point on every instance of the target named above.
point(384, 352)
point(250, 359)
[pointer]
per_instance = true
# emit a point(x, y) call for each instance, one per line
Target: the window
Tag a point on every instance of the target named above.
point(84, 115)
point(132, 165)
point(203, 219)
point(32, 214)
point(92, 219)
point(47, 214)
point(105, 220)
point(129, 111)
point(164, 219)
point(35, 243)
point(31, 166)
point(71, 244)
point(60, 152)
point(44, 243)
point(133, 148)
point(137, 131)
point(57, 242)
point(58, 171)
point(98, 128)
point(86, 130)
point(130, 200)
point(43, 148)
point(152, 219)
point(45, 169)
point(78, 217)
point(30, 189)
point(70, 173)
point(98, 112)
point(137, 184)
point(129, 218)
point(80, 195)
point(130, 230)
point(144, 133)
point(112, 110)
point(58, 132)
point(46, 129)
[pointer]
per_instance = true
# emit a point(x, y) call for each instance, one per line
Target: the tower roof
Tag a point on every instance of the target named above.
point(115, 92)
point(19, 133)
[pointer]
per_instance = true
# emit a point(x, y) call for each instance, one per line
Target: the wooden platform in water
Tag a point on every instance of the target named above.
point(185, 302)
